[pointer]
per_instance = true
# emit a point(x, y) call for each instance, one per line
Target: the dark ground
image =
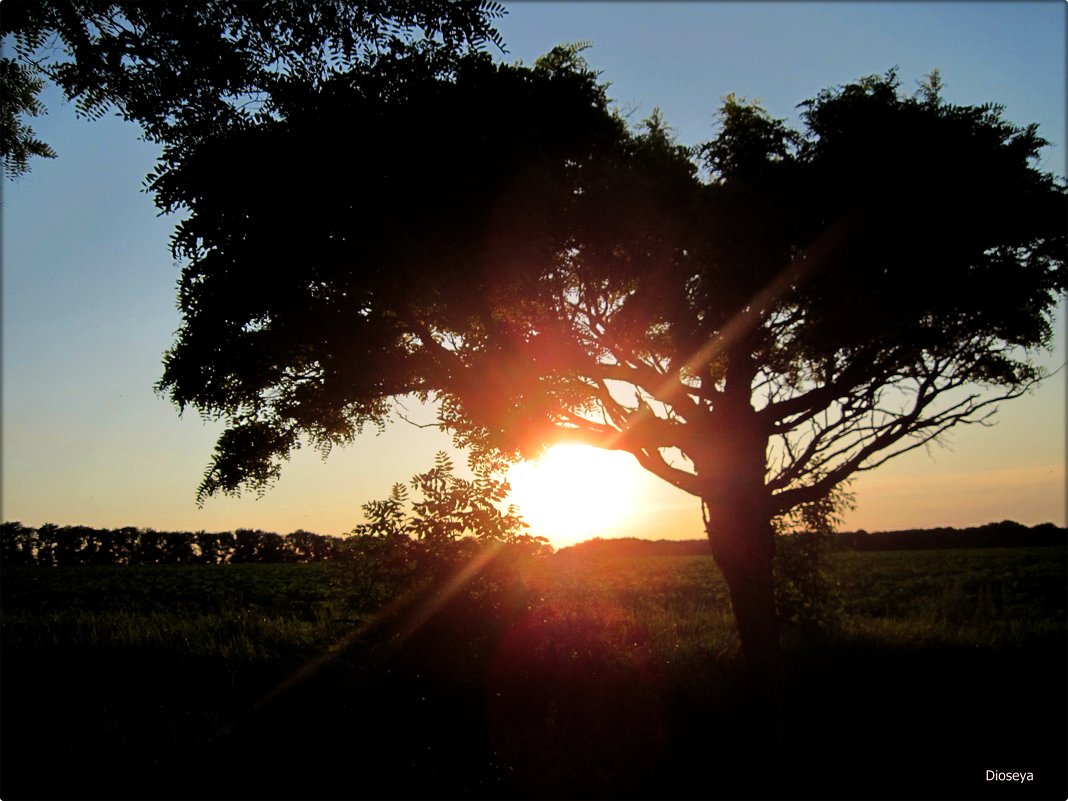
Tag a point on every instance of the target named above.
point(466, 709)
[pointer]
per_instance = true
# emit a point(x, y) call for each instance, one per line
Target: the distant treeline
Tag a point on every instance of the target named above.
point(81, 545)
point(1005, 534)
point(632, 546)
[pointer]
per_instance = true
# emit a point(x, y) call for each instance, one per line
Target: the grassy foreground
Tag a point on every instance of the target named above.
point(569, 677)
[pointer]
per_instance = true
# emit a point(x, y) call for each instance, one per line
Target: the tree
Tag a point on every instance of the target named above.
point(455, 552)
point(449, 508)
point(755, 320)
point(18, 142)
point(18, 544)
point(184, 71)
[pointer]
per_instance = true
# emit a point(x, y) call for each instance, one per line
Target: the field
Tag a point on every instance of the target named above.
point(567, 677)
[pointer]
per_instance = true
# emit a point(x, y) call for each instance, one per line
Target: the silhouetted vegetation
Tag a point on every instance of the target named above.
point(449, 508)
point(784, 308)
point(183, 71)
point(1006, 534)
point(756, 319)
point(53, 545)
point(83, 545)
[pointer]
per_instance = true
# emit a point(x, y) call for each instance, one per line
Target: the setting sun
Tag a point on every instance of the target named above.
point(574, 492)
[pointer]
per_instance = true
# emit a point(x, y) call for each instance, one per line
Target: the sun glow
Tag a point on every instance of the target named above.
point(574, 492)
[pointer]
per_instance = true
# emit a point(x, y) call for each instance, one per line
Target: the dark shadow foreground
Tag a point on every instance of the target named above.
point(532, 707)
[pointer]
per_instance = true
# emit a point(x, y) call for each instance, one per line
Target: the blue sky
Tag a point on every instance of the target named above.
point(89, 286)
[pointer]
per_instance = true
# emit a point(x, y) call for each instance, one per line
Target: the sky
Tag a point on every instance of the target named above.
point(89, 287)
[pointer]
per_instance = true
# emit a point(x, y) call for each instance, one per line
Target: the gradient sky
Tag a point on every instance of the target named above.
point(89, 287)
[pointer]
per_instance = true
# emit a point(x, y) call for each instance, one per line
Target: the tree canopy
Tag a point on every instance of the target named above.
point(755, 319)
point(185, 71)
point(502, 243)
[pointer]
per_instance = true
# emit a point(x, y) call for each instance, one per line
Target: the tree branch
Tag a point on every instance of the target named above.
point(909, 425)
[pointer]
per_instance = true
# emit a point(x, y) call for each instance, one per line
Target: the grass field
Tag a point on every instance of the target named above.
point(569, 677)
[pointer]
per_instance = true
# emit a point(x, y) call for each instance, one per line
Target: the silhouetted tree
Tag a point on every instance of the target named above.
point(305, 546)
point(17, 544)
point(454, 552)
point(151, 548)
point(247, 545)
point(216, 548)
point(44, 544)
point(178, 548)
point(19, 99)
point(70, 545)
point(447, 509)
point(755, 320)
point(188, 70)
point(117, 546)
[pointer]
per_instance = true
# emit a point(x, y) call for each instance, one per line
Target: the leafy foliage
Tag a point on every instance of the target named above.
point(829, 297)
point(186, 71)
point(62, 546)
point(807, 597)
point(18, 143)
point(449, 507)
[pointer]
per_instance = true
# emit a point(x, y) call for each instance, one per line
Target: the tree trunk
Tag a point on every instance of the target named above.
point(732, 463)
point(743, 546)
